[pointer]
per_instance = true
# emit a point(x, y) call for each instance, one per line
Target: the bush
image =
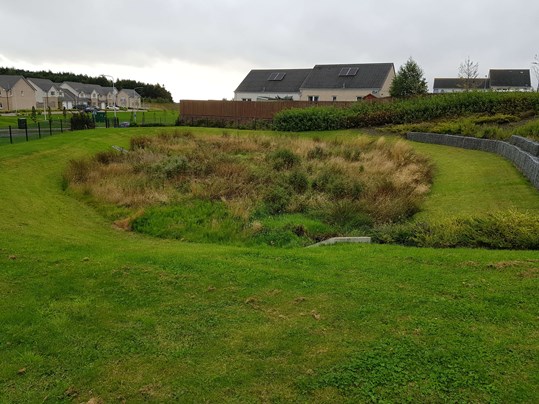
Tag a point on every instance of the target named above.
point(170, 167)
point(141, 142)
point(284, 159)
point(317, 153)
point(349, 216)
point(82, 121)
point(277, 199)
point(298, 181)
point(78, 171)
point(107, 157)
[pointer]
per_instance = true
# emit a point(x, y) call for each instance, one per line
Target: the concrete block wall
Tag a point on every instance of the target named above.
point(522, 152)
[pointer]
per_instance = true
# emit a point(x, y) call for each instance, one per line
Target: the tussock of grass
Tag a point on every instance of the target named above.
point(498, 230)
point(348, 184)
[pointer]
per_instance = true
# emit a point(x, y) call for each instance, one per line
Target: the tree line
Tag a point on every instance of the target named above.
point(154, 92)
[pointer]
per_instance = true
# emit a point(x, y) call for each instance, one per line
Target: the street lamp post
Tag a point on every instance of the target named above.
point(535, 68)
point(113, 94)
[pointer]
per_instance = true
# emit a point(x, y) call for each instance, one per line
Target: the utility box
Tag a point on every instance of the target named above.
point(100, 116)
point(21, 123)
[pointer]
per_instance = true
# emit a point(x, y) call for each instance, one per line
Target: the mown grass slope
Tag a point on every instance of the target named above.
point(89, 311)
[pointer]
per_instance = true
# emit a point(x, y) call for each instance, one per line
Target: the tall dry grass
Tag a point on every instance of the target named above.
point(381, 179)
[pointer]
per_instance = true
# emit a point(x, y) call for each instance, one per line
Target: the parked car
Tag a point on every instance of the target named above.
point(113, 107)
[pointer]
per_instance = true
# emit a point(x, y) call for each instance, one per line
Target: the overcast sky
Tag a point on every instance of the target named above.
point(202, 49)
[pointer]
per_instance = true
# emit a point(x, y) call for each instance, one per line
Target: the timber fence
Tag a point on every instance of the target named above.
point(251, 114)
point(522, 152)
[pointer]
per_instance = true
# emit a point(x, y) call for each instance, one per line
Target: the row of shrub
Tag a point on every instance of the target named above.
point(499, 230)
point(363, 114)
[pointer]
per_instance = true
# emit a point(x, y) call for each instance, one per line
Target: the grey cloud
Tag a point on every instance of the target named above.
point(300, 33)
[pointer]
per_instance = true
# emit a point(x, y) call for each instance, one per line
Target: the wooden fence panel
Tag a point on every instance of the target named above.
point(192, 110)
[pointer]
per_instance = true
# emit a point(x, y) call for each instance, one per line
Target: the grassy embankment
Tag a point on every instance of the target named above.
point(91, 311)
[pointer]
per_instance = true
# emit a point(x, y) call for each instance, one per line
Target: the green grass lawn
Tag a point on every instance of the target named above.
point(89, 311)
point(164, 116)
point(470, 182)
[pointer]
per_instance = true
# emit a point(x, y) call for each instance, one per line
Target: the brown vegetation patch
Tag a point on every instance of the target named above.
point(360, 180)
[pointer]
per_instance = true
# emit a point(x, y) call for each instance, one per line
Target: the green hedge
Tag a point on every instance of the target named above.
point(419, 109)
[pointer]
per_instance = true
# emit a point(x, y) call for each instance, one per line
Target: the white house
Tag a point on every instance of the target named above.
point(47, 93)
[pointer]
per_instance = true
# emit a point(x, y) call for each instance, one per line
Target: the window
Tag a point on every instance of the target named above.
point(276, 76)
point(246, 99)
point(22, 93)
point(334, 98)
point(313, 98)
point(53, 93)
point(348, 71)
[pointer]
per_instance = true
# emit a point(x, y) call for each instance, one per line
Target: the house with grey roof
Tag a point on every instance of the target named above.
point(510, 80)
point(83, 95)
point(16, 93)
point(127, 98)
point(348, 82)
point(272, 84)
point(458, 85)
point(47, 93)
point(66, 98)
point(498, 80)
point(91, 94)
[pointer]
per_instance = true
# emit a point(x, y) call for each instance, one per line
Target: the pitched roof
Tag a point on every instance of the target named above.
point(273, 81)
point(510, 78)
point(68, 95)
point(368, 75)
point(130, 93)
point(43, 84)
point(451, 83)
point(7, 81)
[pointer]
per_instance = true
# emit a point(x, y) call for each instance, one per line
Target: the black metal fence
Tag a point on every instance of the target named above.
point(25, 131)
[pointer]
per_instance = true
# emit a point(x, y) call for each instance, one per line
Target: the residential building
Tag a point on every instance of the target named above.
point(350, 82)
point(510, 80)
point(127, 98)
point(47, 93)
point(83, 94)
point(498, 80)
point(276, 84)
point(339, 82)
point(458, 85)
point(16, 93)
point(67, 99)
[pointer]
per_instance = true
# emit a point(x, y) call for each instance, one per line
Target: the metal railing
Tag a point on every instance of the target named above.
point(26, 131)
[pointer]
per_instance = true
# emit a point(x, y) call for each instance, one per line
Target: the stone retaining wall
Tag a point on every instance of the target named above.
point(523, 153)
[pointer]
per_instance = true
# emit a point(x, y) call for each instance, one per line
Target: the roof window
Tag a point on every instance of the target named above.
point(349, 71)
point(276, 76)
